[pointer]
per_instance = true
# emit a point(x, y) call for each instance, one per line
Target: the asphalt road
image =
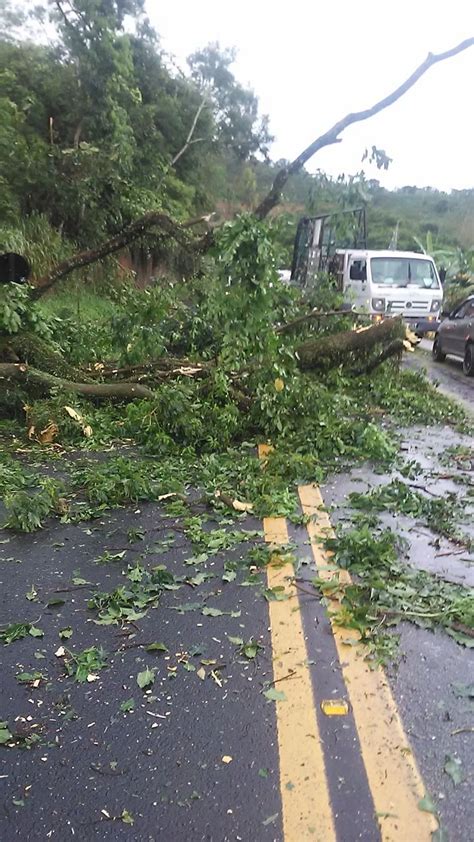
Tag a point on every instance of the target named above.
point(262, 721)
point(448, 375)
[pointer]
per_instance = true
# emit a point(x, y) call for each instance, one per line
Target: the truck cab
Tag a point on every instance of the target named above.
point(391, 283)
point(382, 283)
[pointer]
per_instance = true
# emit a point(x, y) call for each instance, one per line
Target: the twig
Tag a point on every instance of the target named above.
point(453, 552)
point(284, 677)
point(304, 590)
point(318, 314)
point(426, 490)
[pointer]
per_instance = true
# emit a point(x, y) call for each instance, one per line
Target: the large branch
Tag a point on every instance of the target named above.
point(395, 349)
point(335, 349)
point(19, 372)
point(315, 315)
point(126, 236)
point(332, 135)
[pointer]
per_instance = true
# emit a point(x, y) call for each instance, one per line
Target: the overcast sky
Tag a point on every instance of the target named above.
point(311, 62)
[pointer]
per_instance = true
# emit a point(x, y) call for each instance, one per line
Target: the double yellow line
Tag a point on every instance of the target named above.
point(393, 777)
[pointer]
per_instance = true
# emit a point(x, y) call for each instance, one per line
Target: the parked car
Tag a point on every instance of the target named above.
point(455, 335)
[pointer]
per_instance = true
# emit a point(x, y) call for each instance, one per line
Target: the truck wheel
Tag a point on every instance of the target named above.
point(438, 355)
point(468, 363)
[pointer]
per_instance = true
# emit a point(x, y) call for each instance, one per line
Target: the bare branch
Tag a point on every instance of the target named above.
point(332, 135)
point(188, 142)
point(25, 374)
point(314, 315)
point(122, 239)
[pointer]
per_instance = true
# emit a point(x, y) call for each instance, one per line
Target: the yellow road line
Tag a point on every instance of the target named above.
point(306, 806)
point(393, 776)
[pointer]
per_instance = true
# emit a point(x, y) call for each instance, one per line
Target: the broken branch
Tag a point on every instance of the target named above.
point(123, 391)
point(332, 135)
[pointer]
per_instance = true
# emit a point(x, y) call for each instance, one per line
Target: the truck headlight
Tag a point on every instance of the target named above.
point(378, 304)
point(435, 305)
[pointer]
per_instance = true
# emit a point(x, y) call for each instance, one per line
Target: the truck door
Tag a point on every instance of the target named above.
point(357, 280)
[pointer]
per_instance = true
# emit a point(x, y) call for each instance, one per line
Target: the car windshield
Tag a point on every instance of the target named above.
point(403, 272)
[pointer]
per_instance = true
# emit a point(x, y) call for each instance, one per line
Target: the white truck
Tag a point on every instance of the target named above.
point(391, 283)
point(381, 283)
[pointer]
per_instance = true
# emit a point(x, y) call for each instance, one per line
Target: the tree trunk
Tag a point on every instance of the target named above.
point(29, 348)
point(333, 350)
point(24, 374)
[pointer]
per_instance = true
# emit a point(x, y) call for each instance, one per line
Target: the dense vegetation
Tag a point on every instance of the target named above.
point(193, 371)
point(101, 127)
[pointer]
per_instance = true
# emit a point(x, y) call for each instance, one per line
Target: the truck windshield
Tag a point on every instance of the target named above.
point(403, 272)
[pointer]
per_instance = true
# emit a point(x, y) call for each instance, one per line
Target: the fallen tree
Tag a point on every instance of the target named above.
point(330, 351)
point(177, 230)
point(26, 375)
point(28, 360)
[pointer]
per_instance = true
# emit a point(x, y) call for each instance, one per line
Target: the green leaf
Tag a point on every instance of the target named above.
point(250, 650)
point(28, 677)
point(77, 580)
point(145, 678)
point(55, 602)
point(453, 768)
point(237, 641)
point(15, 631)
point(127, 706)
point(427, 804)
point(127, 817)
point(212, 612)
point(156, 647)
point(277, 594)
point(34, 632)
point(274, 695)
point(66, 633)
point(263, 773)
point(229, 576)
point(32, 594)
point(5, 735)
point(216, 612)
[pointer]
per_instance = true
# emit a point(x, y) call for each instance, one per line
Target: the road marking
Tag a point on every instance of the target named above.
point(306, 806)
point(393, 776)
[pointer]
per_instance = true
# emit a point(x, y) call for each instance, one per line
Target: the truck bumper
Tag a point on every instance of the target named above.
point(418, 324)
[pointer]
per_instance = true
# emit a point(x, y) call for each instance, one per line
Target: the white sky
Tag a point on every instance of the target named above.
point(312, 62)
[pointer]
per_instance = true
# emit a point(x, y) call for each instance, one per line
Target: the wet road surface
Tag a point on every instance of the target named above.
point(448, 375)
point(291, 739)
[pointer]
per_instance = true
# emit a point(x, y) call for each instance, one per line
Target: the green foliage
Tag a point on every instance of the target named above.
point(441, 514)
point(18, 312)
point(94, 123)
point(117, 481)
point(386, 591)
point(130, 602)
point(83, 665)
point(34, 237)
point(26, 511)
point(13, 476)
point(17, 631)
point(410, 398)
